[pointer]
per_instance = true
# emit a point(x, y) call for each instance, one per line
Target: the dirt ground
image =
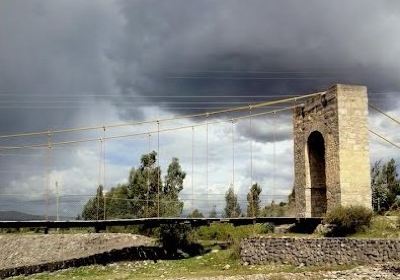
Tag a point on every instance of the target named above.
point(29, 249)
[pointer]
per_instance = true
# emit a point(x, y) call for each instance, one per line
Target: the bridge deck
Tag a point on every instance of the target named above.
point(154, 222)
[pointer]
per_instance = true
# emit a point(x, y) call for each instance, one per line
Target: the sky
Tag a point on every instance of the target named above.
point(77, 63)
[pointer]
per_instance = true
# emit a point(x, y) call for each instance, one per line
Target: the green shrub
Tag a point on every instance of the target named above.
point(134, 229)
point(230, 234)
point(348, 220)
point(381, 227)
point(174, 237)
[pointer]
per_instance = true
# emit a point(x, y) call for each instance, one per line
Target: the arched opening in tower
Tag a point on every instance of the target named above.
point(317, 175)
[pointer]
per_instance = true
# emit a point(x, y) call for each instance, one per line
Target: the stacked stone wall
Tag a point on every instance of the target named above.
point(318, 251)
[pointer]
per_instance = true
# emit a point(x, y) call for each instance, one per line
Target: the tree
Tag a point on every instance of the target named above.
point(174, 178)
point(380, 192)
point(173, 186)
point(385, 186)
point(144, 195)
point(392, 181)
point(213, 212)
point(196, 214)
point(145, 187)
point(275, 210)
point(117, 203)
point(232, 207)
point(150, 197)
point(253, 201)
point(94, 208)
point(174, 237)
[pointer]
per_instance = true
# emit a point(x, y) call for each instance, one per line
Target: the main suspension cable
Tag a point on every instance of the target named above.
point(384, 138)
point(133, 123)
point(138, 134)
point(385, 114)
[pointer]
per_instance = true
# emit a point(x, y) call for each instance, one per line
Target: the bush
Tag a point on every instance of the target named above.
point(230, 234)
point(348, 220)
point(133, 229)
point(174, 237)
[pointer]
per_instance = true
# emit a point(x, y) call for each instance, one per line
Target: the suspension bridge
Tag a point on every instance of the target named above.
point(53, 201)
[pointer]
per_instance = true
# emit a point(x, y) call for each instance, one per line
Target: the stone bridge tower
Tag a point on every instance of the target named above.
point(331, 153)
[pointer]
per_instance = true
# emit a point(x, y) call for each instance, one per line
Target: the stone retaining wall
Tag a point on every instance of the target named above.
point(318, 251)
point(125, 254)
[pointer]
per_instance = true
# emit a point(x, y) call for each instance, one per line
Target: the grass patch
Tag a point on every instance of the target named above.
point(381, 227)
point(228, 232)
point(347, 220)
point(214, 263)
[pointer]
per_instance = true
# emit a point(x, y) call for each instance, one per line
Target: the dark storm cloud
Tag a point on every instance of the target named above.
point(52, 55)
point(52, 58)
point(200, 48)
point(52, 52)
point(193, 49)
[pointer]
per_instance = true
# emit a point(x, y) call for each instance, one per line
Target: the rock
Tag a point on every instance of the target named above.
point(283, 228)
point(32, 249)
point(324, 229)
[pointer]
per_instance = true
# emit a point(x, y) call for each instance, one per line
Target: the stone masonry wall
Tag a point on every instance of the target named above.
point(340, 116)
point(319, 114)
point(318, 251)
point(354, 159)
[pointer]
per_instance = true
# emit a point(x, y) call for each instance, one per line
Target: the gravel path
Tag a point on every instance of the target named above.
point(387, 272)
point(29, 249)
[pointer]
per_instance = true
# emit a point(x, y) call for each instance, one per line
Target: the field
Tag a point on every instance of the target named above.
point(221, 261)
point(216, 263)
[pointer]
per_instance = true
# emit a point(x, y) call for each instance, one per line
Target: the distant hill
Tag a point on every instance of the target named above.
point(21, 216)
